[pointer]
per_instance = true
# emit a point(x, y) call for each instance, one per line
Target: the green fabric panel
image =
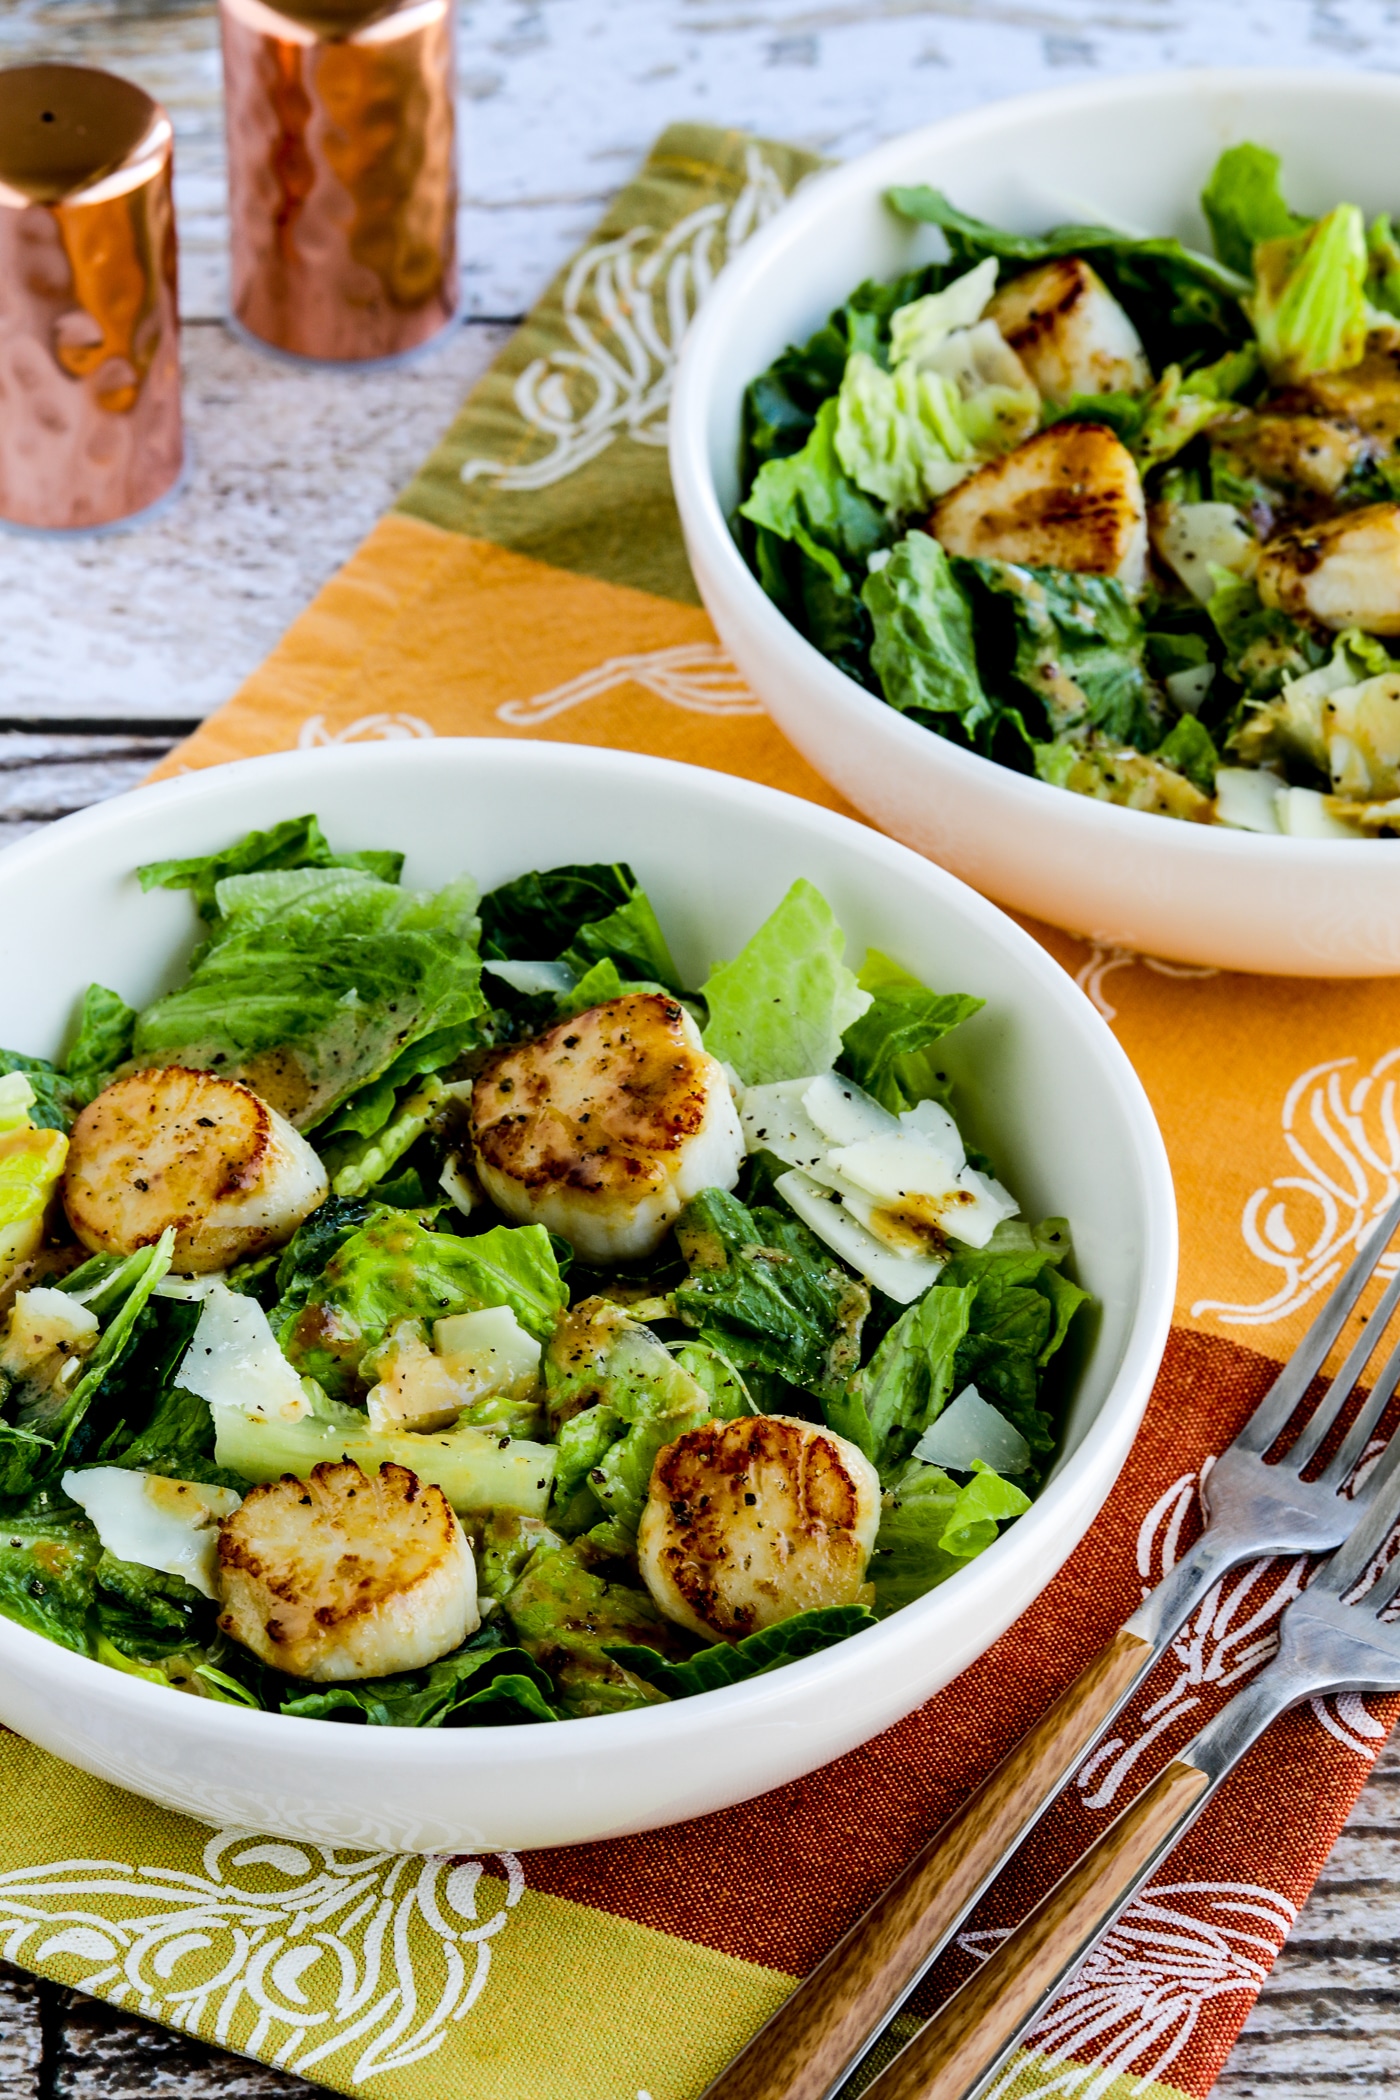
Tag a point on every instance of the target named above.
point(564, 440)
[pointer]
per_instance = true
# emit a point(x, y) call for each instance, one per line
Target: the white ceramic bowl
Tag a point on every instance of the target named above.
point(1134, 152)
point(1056, 1101)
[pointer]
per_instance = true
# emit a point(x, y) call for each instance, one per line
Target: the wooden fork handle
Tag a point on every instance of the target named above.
point(806, 2048)
point(949, 2058)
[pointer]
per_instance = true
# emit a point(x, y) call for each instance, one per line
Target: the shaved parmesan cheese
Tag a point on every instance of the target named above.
point(170, 1525)
point(918, 1193)
point(534, 977)
point(902, 1277)
point(774, 1120)
point(234, 1362)
point(1303, 814)
point(455, 1184)
point(844, 1113)
point(971, 1429)
point(931, 1122)
point(487, 1352)
point(1247, 800)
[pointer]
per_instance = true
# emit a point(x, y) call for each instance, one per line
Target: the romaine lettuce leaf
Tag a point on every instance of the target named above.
point(781, 1007)
point(619, 1396)
point(394, 1269)
point(146, 1614)
point(46, 1424)
point(899, 434)
point(930, 1527)
point(888, 1051)
point(924, 653)
point(807, 1633)
point(1017, 1321)
point(481, 1685)
point(297, 843)
point(908, 1381)
point(1244, 205)
point(814, 532)
point(314, 983)
point(1075, 642)
point(766, 1294)
point(781, 405)
point(310, 1248)
point(103, 1041)
point(567, 1616)
point(1309, 305)
point(48, 1559)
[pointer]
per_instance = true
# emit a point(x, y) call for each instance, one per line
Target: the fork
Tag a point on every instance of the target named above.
point(1331, 1639)
point(1253, 1507)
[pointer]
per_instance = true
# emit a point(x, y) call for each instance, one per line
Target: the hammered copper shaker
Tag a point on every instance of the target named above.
point(90, 427)
point(342, 173)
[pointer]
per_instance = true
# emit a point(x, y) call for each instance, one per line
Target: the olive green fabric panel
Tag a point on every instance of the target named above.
point(560, 452)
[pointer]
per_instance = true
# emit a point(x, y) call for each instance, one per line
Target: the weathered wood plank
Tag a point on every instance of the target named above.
point(289, 469)
point(21, 2037)
point(103, 2054)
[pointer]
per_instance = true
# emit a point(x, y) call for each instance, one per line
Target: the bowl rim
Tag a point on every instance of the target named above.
point(757, 1698)
point(697, 497)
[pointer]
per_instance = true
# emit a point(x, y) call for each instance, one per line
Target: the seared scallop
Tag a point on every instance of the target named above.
point(1069, 332)
point(1070, 498)
point(749, 1522)
point(605, 1127)
point(188, 1149)
point(1343, 573)
point(347, 1574)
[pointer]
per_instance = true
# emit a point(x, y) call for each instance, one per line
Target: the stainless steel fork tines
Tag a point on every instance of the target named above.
point(1334, 1638)
point(1255, 1505)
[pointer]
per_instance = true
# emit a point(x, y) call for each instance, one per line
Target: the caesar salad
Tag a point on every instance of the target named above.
point(1111, 511)
point(432, 1312)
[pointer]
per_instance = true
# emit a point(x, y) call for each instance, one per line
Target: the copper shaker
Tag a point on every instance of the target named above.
point(90, 427)
point(342, 173)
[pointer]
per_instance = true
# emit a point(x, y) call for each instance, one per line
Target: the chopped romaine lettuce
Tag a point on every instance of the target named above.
point(902, 1390)
point(764, 1292)
point(481, 1685)
point(103, 1041)
point(317, 982)
point(814, 534)
point(394, 1269)
point(297, 843)
point(888, 1050)
point(1244, 205)
point(568, 1616)
point(781, 1007)
point(1076, 644)
point(477, 1469)
point(930, 1527)
point(1021, 1310)
point(924, 653)
point(806, 1633)
point(618, 1396)
point(899, 434)
point(1309, 301)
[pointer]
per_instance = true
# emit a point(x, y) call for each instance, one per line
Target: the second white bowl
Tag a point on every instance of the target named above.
point(1133, 152)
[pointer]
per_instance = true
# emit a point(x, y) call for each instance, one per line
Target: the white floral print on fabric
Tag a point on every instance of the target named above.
point(627, 304)
point(284, 1951)
point(697, 676)
point(369, 729)
point(1134, 2004)
point(1105, 958)
point(1341, 1128)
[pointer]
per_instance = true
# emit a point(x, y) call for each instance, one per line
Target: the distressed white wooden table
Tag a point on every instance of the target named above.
point(111, 648)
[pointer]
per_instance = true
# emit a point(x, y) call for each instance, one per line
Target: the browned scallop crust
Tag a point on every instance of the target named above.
point(313, 1573)
point(759, 1517)
point(1069, 498)
point(162, 1148)
point(601, 1104)
point(1343, 572)
point(1053, 316)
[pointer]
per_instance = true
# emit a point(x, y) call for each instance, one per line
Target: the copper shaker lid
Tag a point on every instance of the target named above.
point(67, 130)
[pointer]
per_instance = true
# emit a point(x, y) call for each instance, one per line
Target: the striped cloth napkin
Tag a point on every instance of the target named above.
point(532, 582)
